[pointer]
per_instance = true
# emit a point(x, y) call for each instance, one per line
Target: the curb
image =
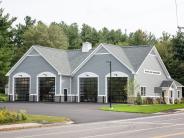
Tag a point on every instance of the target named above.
point(30, 125)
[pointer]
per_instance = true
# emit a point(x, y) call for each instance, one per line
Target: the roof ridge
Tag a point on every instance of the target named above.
point(130, 46)
point(46, 47)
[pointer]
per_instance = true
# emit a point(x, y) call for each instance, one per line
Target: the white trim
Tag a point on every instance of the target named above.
point(86, 60)
point(26, 55)
point(47, 60)
point(119, 74)
point(19, 61)
point(20, 75)
point(143, 86)
point(44, 75)
point(60, 86)
point(86, 75)
point(120, 60)
point(160, 61)
point(102, 53)
point(144, 60)
point(33, 55)
point(70, 85)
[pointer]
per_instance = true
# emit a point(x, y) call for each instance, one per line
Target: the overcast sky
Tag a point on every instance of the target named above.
point(154, 16)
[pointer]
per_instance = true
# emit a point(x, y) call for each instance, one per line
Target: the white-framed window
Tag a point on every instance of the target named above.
point(143, 91)
point(178, 94)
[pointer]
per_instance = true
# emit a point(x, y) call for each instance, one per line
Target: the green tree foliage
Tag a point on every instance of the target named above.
point(20, 29)
point(6, 56)
point(178, 45)
point(41, 34)
point(140, 37)
point(112, 37)
point(6, 30)
point(72, 32)
point(89, 34)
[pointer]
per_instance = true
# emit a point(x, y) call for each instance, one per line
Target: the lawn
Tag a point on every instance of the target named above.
point(3, 97)
point(147, 109)
point(12, 117)
point(44, 119)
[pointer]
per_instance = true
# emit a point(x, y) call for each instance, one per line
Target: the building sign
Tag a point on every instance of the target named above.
point(154, 72)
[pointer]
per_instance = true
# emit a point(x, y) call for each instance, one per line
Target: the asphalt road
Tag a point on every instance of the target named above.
point(77, 112)
point(164, 126)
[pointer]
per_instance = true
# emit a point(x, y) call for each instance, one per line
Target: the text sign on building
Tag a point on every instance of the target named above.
point(154, 72)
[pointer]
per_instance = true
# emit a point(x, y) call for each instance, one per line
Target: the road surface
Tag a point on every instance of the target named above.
point(164, 126)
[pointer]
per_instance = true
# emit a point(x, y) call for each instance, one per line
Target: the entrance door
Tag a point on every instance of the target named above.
point(118, 89)
point(22, 86)
point(65, 95)
point(88, 89)
point(47, 89)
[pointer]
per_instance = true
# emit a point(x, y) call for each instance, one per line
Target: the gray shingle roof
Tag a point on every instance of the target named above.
point(66, 61)
point(132, 56)
point(167, 83)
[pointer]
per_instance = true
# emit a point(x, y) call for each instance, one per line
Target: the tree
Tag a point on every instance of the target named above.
point(6, 30)
point(20, 29)
point(41, 34)
point(6, 56)
point(140, 37)
point(178, 45)
point(89, 34)
point(73, 35)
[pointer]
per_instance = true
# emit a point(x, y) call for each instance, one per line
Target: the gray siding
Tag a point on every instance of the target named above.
point(149, 80)
point(33, 65)
point(98, 65)
point(65, 84)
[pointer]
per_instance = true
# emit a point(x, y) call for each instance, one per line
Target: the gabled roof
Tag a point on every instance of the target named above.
point(168, 83)
point(67, 62)
point(132, 56)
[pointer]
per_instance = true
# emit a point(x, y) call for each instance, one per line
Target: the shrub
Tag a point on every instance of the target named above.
point(159, 101)
point(176, 101)
point(3, 97)
point(182, 101)
point(138, 100)
point(148, 100)
point(7, 116)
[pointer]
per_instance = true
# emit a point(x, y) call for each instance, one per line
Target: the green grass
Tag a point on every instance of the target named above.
point(3, 97)
point(44, 119)
point(147, 109)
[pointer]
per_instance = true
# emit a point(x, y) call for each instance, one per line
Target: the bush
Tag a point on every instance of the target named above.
point(176, 101)
point(182, 101)
point(138, 100)
point(7, 116)
point(159, 101)
point(3, 97)
point(148, 100)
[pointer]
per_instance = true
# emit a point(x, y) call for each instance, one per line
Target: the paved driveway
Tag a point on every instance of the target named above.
point(78, 112)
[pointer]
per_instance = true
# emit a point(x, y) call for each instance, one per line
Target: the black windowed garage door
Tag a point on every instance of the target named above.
point(22, 86)
point(47, 89)
point(88, 89)
point(118, 89)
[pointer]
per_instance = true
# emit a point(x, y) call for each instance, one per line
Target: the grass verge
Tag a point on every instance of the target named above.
point(147, 109)
point(3, 97)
